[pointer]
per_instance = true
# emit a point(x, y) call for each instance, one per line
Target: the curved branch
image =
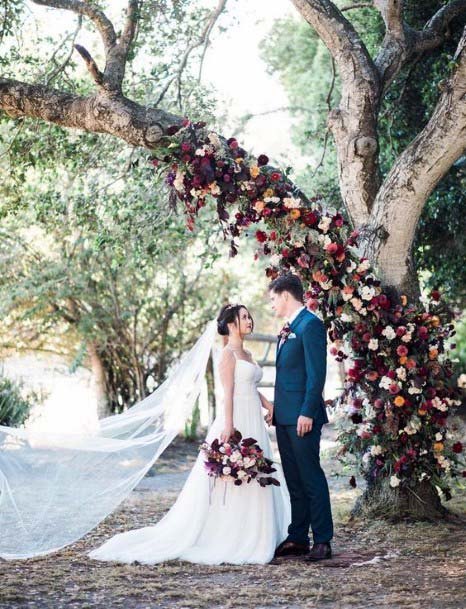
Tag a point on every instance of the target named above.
point(401, 42)
point(415, 174)
point(434, 31)
point(354, 122)
point(98, 17)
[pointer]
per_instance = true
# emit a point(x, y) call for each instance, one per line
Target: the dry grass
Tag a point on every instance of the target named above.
point(428, 571)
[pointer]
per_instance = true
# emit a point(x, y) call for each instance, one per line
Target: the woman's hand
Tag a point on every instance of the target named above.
point(269, 416)
point(227, 432)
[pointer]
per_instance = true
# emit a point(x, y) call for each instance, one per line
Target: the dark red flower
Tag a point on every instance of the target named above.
point(261, 236)
point(457, 447)
point(275, 176)
point(262, 159)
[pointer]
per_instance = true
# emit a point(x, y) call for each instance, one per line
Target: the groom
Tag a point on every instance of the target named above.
point(299, 413)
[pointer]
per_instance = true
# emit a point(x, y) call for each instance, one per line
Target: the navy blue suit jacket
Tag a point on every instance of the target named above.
point(301, 364)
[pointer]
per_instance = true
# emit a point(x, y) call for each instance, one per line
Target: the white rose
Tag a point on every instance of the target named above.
point(291, 202)
point(389, 333)
point(324, 224)
point(376, 450)
point(401, 373)
point(438, 437)
point(394, 481)
point(373, 344)
point(357, 303)
point(367, 293)
point(226, 471)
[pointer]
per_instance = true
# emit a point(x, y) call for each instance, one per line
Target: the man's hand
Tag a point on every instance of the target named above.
point(304, 425)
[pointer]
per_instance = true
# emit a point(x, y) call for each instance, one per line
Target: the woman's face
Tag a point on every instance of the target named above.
point(245, 322)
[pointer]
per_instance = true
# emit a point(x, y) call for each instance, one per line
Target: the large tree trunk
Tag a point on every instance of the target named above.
point(99, 384)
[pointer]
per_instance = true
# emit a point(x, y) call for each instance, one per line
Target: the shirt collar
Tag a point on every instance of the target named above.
point(295, 315)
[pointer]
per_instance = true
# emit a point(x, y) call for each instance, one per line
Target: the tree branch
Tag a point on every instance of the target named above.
point(116, 51)
point(202, 39)
point(415, 174)
point(401, 42)
point(353, 123)
point(98, 17)
point(135, 124)
point(436, 28)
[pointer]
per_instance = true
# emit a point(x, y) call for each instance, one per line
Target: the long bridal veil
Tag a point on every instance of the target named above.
point(55, 488)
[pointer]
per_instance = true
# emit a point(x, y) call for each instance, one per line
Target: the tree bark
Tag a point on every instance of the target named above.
point(414, 175)
point(99, 382)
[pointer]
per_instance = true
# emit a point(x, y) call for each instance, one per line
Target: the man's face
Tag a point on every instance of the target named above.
point(278, 302)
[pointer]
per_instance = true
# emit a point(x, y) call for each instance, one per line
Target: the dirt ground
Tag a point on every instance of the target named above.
point(410, 565)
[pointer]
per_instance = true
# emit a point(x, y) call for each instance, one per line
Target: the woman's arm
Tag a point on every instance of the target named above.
point(227, 377)
point(269, 406)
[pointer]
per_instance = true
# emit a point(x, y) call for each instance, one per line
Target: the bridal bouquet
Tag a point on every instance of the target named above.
point(238, 460)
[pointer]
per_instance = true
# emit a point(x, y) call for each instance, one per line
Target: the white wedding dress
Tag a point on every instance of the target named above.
point(221, 523)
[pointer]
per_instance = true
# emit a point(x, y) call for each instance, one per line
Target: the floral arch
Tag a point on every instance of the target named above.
point(400, 389)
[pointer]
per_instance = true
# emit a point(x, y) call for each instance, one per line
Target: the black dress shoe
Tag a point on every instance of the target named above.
point(319, 551)
point(291, 548)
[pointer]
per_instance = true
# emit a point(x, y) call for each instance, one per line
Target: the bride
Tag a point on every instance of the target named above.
point(226, 523)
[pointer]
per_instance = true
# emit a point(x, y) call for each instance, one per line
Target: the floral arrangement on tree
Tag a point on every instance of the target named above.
point(239, 460)
point(400, 388)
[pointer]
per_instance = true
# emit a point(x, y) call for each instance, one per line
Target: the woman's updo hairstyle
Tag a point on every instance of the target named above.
point(229, 313)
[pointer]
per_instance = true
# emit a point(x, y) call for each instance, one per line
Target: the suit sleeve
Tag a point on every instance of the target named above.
point(315, 357)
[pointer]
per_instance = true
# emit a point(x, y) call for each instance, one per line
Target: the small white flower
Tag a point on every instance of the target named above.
point(406, 338)
point(242, 474)
point(389, 333)
point(346, 318)
point(324, 224)
point(226, 471)
point(214, 140)
point(462, 381)
point(291, 202)
point(373, 344)
point(385, 382)
point(423, 476)
point(367, 293)
point(438, 437)
point(363, 266)
point(275, 259)
point(376, 450)
point(178, 181)
point(394, 481)
point(414, 390)
point(401, 373)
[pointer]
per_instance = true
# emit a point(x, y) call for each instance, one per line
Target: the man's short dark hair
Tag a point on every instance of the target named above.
point(288, 283)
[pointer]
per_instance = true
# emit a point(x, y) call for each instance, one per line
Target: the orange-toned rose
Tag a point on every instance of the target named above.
point(348, 289)
point(239, 160)
point(254, 171)
point(403, 359)
point(404, 300)
point(319, 276)
point(399, 400)
point(438, 447)
point(410, 364)
point(433, 353)
point(268, 193)
point(259, 206)
point(435, 321)
point(421, 412)
point(294, 214)
point(339, 310)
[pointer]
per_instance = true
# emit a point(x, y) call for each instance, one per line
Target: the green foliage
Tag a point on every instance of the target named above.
point(94, 260)
point(14, 406)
